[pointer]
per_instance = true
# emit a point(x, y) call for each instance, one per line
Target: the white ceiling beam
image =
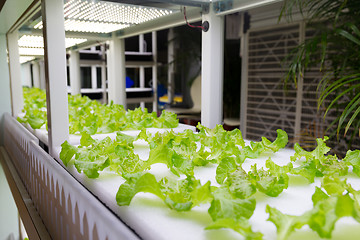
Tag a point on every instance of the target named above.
point(230, 7)
point(193, 14)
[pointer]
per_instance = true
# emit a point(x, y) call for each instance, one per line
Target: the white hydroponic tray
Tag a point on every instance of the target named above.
point(152, 219)
point(74, 139)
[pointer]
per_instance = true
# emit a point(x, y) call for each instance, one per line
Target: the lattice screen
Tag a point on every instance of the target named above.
point(268, 106)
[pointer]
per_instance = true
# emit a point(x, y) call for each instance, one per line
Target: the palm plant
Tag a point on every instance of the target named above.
point(336, 51)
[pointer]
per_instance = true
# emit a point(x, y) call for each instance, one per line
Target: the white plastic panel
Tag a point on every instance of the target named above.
point(68, 210)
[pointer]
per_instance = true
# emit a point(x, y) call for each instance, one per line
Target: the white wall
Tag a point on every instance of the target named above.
point(8, 210)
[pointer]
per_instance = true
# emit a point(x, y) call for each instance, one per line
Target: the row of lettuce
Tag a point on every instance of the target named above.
point(233, 201)
point(86, 115)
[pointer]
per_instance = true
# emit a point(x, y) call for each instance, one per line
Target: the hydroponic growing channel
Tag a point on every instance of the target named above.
point(215, 184)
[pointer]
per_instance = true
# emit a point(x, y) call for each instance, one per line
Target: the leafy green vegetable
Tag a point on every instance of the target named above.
point(280, 141)
point(285, 224)
point(67, 152)
point(226, 205)
point(316, 163)
point(90, 162)
point(86, 115)
point(339, 200)
point(226, 165)
point(241, 226)
point(135, 183)
point(353, 158)
point(180, 195)
point(240, 184)
point(272, 181)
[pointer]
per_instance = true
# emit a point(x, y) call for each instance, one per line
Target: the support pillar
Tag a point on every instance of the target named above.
point(93, 77)
point(55, 73)
point(5, 95)
point(244, 80)
point(26, 74)
point(36, 74)
point(171, 54)
point(212, 70)
point(15, 74)
point(103, 74)
point(74, 68)
point(154, 70)
point(142, 69)
point(42, 74)
point(116, 70)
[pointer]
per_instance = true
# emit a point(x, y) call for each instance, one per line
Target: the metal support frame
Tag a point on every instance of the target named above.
point(212, 70)
point(36, 74)
point(116, 71)
point(74, 68)
point(154, 70)
point(55, 73)
point(15, 73)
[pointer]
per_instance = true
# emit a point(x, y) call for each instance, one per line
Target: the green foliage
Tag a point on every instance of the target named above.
point(241, 226)
point(86, 115)
point(337, 200)
point(316, 163)
point(335, 50)
point(233, 201)
point(180, 195)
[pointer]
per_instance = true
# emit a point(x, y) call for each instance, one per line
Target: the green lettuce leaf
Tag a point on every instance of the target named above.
point(67, 152)
point(241, 226)
point(225, 205)
point(135, 183)
point(353, 158)
point(286, 224)
point(240, 184)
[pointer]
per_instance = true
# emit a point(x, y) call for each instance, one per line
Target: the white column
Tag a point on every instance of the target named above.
point(244, 81)
point(55, 73)
point(141, 69)
point(154, 70)
point(110, 71)
point(26, 74)
point(212, 70)
point(93, 77)
point(42, 74)
point(103, 74)
point(36, 74)
point(5, 95)
point(171, 53)
point(74, 69)
point(15, 74)
point(117, 86)
point(141, 43)
point(142, 82)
